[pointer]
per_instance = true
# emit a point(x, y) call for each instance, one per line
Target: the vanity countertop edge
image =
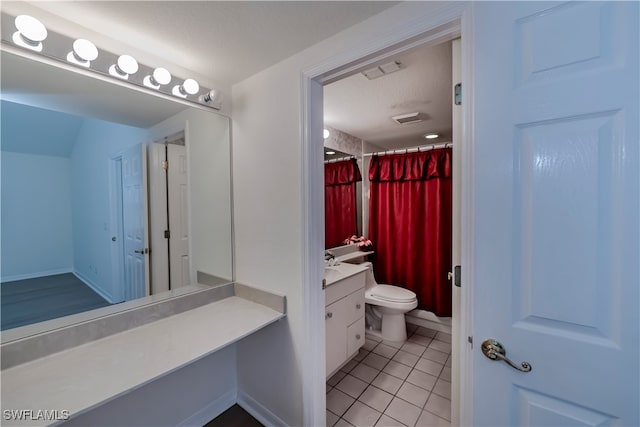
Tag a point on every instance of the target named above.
point(87, 376)
point(344, 270)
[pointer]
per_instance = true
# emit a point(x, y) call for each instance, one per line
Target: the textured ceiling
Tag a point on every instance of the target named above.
point(225, 42)
point(363, 107)
point(222, 42)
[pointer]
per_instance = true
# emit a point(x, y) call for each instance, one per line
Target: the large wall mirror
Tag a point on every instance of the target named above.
point(109, 195)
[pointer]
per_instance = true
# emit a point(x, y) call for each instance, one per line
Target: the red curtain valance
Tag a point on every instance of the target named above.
point(342, 172)
point(418, 166)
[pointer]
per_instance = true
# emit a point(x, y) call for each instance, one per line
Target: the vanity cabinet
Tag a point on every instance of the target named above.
point(344, 320)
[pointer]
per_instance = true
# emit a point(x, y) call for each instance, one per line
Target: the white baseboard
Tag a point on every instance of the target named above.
point(427, 319)
point(36, 275)
point(259, 412)
point(95, 287)
point(211, 411)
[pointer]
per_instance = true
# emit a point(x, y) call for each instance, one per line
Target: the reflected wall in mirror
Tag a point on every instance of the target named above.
point(108, 194)
point(343, 187)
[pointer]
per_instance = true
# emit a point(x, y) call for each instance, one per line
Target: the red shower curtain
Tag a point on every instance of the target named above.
point(340, 201)
point(410, 224)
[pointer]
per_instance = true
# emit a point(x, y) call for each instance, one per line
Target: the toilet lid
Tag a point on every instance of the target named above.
point(393, 293)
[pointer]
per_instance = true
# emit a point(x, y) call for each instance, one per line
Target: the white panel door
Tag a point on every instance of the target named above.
point(134, 219)
point(555, 213)
point(158, 218)
point(178, 215)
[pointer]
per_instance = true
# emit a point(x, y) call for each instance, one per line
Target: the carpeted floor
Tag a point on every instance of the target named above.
point(24, 302)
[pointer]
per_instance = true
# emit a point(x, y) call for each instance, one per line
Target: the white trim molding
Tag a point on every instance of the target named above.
point(258, 411)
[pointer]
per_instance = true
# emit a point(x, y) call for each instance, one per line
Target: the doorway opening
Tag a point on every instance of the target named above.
point(429, 32)
point(168, 198)
point(398, 106)
point(150, 215)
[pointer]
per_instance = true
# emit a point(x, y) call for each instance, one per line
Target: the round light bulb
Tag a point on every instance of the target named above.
point(162, 76)
point(30, 33)
point(191, 86)
point(85, 50)
point(127, 64)
point(31, 29)
point(83, 53)
point(431, 135)
point(326, 133)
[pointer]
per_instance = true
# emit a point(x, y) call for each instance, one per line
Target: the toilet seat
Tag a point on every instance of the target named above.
point(392, 294)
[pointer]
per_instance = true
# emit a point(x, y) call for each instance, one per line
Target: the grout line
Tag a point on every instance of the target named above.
point(395, 395)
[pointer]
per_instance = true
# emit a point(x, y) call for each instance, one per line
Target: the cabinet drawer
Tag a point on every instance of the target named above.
point(343, 288)
point(354, 306)
point(355, 336)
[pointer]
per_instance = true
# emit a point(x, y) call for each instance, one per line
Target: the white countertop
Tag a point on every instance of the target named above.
point(89, 375)
point(334, 274)
point(353, 255)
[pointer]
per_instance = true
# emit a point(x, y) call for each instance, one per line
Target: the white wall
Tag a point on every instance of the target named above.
point(96, 143)
point(36, 215)
point(268, 200)
point(208, 171)
point(195, 393)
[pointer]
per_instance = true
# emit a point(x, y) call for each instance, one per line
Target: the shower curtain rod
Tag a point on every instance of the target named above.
point(425, 147)
point(339, 159)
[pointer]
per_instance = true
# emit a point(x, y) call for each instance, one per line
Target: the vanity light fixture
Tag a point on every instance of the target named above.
point(189, 87)
point(160, 77)
point(30, 34)
point(213, 97)
point(83, 53)
point(431, 135)
point(326, 133)
point(126, 65)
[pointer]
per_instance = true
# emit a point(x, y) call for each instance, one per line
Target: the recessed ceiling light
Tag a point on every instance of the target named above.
point(431, 135)
point(326, 133)
point(331, 153)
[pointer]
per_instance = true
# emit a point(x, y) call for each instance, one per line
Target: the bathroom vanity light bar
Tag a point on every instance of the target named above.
point(32, 34)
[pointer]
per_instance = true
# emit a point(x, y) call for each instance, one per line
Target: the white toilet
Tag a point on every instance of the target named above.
point(391, 303)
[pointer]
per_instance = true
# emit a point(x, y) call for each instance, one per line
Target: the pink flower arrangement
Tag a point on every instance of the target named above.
point(361, 242)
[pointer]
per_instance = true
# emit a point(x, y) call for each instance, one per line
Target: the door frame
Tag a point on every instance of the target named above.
point(450, 21)
point(115, 202)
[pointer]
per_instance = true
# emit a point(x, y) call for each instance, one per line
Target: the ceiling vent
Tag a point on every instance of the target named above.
point(405, 119)
point(382, 70)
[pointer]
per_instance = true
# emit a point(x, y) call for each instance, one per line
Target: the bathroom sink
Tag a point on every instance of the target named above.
point(335, 273)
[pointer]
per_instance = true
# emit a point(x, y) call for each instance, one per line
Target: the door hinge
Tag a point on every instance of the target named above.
point(457, 272)
point(470, 340)
point(165, 165)
point(167, 234)
point(457, 94)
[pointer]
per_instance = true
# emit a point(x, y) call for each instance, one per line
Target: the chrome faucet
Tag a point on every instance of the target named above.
point(328, 255)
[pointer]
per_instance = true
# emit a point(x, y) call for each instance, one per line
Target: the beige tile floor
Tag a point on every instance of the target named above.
point(394, 384)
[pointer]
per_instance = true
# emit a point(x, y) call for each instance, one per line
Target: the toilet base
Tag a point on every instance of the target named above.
point(394, 327)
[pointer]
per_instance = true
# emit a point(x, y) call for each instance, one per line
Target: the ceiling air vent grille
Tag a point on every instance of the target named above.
point(405, 119)
point(382, 70)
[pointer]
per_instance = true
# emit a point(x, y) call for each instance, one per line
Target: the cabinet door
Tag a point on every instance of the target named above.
point(355, 336)
point(336, 335)
point(355, 306)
